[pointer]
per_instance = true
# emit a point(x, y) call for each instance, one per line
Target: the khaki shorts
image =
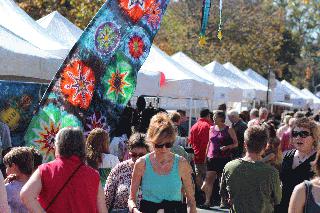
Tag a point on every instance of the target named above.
point(200, 169)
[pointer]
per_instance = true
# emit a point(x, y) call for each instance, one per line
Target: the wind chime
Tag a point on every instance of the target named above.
point(206, 5)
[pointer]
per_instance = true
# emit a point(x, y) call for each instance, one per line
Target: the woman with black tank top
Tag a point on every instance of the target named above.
point(296, 165)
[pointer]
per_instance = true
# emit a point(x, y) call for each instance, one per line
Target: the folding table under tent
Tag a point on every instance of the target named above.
point(223, 91)
point(260, 90)
point(16, 20)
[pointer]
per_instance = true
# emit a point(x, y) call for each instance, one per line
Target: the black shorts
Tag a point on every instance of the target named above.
point(216, 164)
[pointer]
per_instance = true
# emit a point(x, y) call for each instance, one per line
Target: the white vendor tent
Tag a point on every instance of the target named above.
point(21, 60)
point(181, 85)
point(228, 76)
point(297, 98)
point(13, 18)
point(223, 91)
point(148, 83)
point(60, 28)
point(277, 93)
point(316, 100)
point(260, 90)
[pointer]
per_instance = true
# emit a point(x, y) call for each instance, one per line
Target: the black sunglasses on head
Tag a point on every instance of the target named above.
point(302, 134)
point(167, 145)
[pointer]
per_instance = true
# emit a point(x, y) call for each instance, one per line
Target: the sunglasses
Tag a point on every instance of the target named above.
point(137, 155)
point(302, 134)
point(167, 145)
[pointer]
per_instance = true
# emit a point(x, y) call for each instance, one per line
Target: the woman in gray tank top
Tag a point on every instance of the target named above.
point(306, 196)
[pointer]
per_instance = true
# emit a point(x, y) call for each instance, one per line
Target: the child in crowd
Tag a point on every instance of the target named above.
point(19, 164)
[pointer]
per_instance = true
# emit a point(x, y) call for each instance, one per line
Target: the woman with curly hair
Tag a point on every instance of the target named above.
point(97, 154)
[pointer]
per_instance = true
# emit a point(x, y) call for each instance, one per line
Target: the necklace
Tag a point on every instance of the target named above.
point(161, 165)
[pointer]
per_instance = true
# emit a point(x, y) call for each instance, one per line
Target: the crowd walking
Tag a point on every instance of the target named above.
point(257, 166)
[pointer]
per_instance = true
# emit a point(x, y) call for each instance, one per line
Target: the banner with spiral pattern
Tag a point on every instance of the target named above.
point(99, 75)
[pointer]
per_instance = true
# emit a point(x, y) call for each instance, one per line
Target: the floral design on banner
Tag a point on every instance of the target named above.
point(43, 129)
point(153, 15)
point(119, 80)
point(135, 9)
point(77, 84)
point(107, 38)
point(137, 45)
point(96, 120)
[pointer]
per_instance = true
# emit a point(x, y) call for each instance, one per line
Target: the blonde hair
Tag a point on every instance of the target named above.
point(160, 128)
point(312, 126)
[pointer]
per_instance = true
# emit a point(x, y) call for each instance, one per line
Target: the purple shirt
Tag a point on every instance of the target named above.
point(13, 194)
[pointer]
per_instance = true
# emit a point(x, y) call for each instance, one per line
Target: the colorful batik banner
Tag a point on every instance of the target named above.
point(99, 76)
point(18, 101)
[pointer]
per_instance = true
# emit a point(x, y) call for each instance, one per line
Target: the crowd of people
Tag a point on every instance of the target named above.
point(245, 162)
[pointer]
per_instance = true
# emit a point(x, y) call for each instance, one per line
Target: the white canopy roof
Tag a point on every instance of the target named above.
point(232, 79)
point(223, 91)
point(180, 83)
point(261, 90)
point(60, 28)
point(296, 96)
point(21, 59)
point(277, 94)
point(13, 18)
point(316, 100)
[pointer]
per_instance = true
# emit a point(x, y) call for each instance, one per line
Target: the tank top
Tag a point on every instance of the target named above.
point(217, 140)
point(310, 206)
point(157, 188)
point(80, 193)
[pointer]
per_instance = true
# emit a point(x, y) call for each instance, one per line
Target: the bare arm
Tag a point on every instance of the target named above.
point(101, 205)
point(185, 174)
point(297, 199)
point(138, 171)
point(234, 138)
point(30, 191)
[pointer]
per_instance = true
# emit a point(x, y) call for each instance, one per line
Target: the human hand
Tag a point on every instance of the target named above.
point(10, 178)
point(224, 148)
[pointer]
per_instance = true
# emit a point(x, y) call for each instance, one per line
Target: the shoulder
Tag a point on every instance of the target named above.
point(141, 162)
point(232, 164)
point(289, 154)
point(184, 165)
point(300, 189)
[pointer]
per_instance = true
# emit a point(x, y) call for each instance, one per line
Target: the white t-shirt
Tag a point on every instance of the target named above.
point(118, 146)
point(109, 161)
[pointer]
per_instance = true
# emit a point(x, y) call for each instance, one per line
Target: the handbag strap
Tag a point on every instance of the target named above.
point(55, 197)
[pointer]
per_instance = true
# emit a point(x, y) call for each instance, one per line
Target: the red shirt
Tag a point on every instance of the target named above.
point(198, 138)
point(79, 195)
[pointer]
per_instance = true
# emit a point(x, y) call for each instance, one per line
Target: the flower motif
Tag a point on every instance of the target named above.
point(119, 80)
point(45, 125)
point(96, 120)
point(137, 45)
point(107, 38)
point(77, 84)
point(135, 9)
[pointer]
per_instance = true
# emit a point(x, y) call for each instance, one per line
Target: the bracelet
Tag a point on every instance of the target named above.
point(132, 210)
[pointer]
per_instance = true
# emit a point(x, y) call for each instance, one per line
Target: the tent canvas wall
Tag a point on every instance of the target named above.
point(223, 91)
point(316, 100)
point(22, 61)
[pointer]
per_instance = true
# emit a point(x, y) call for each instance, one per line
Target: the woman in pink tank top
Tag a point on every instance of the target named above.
point(65, 184)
